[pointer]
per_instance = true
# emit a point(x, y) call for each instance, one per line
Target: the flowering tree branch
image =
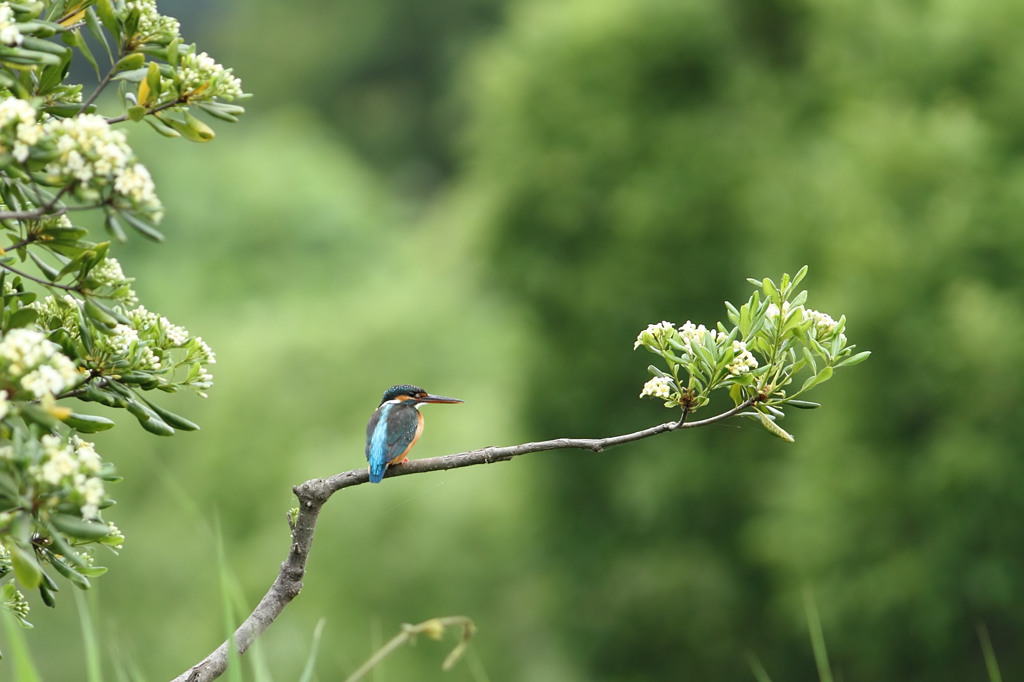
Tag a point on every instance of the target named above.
point(313, 494)
point(771, 341)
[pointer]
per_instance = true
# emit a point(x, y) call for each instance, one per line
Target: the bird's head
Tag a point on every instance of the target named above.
point(413, 394)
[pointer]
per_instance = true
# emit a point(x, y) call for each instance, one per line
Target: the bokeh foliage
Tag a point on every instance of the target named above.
point(622, 163)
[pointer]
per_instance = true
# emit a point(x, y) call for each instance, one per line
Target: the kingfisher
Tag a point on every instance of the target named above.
point(395, 426)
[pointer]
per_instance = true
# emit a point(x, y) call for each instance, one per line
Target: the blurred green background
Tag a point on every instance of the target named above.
point(490, 199)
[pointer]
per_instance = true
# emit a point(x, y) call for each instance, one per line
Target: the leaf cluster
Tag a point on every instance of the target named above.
point(71, 326)
point(771, 339)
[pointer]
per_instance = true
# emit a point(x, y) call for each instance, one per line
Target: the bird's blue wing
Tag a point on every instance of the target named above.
point(402, 425)
point(392, 429)
point(376, 443)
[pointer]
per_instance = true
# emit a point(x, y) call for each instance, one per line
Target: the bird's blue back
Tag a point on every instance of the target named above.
point(390, 433)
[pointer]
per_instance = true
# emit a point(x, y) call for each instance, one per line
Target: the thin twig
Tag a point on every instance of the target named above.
point(313, 494)
point(39, 280)
point(100, 86)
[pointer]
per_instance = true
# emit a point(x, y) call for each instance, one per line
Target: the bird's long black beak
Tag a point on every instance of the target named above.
point(430, 398)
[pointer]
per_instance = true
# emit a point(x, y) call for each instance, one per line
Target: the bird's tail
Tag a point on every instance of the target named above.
point(377, 470)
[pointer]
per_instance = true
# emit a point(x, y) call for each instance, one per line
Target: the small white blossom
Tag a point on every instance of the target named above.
point(87, 455)
point(176, 334)
point(744, 361)
point(152, 24)
point(9, 33)
point(658, 387)
point(823, 327)
point(201, 74)
point(36, 363)
point(92, 492)
point(94, 155)
point(653, 333)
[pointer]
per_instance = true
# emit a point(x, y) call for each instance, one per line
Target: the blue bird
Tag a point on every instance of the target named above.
point(395, 426)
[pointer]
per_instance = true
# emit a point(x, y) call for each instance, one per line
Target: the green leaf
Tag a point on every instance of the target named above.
point(152, 84)
point(802, 404)
point(53, 75)
point(148, 419)
point(222, 110)
point(191, 128)
point(79, 528)
point(18, 55)
point(9, 490)
point(161, 127)
point(83, 47)
point(809, 359)
point(800, 274)
point(26, 567)
point(92, 571)
point(130, 62)
point(88, 423)
point(105, 11)
point(821, 377)
point(46, 594)
point(143, 227)
point(22, 317)
point(50, 272)
point(96, 30)
point(71, 574)
point(99, 314)
point(771, 292)
point(855, 359)
point(657, 372)
point(774, 429)
point(114, 228)
point(175, 420)
point(137, 112)
point(40, 45)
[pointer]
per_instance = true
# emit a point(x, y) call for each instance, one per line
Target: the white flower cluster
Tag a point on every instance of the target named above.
point(744, 361)
point(773, 310)
point(692, 334)
point(18, 121)
point(109, 275)
point(658, 387)
point(73, 464)
point(823, 327)
point(200, 74)
point(93, 155)
point(34, 364)
point(654, 333)
point(10, 35)
point(152, 24)
point(160, 336)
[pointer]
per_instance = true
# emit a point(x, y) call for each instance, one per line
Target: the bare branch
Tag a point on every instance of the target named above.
point(313, 494)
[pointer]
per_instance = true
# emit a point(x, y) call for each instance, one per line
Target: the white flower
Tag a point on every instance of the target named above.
point(659, 387)
point(87, 455)
point(653, 333)
point(823, 327)
point(743, 361)
point(9, 33)
point(152, 24)
point(36, 362)
point(93, 154)
point(199, 73)
point(92, 492)
point(60, 462)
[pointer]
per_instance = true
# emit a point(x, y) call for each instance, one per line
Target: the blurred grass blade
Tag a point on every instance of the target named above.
point(310, 668)
point(991, 664)
point(760, 674)
point(17, 654)
point(90, 642)
point(817, 637)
